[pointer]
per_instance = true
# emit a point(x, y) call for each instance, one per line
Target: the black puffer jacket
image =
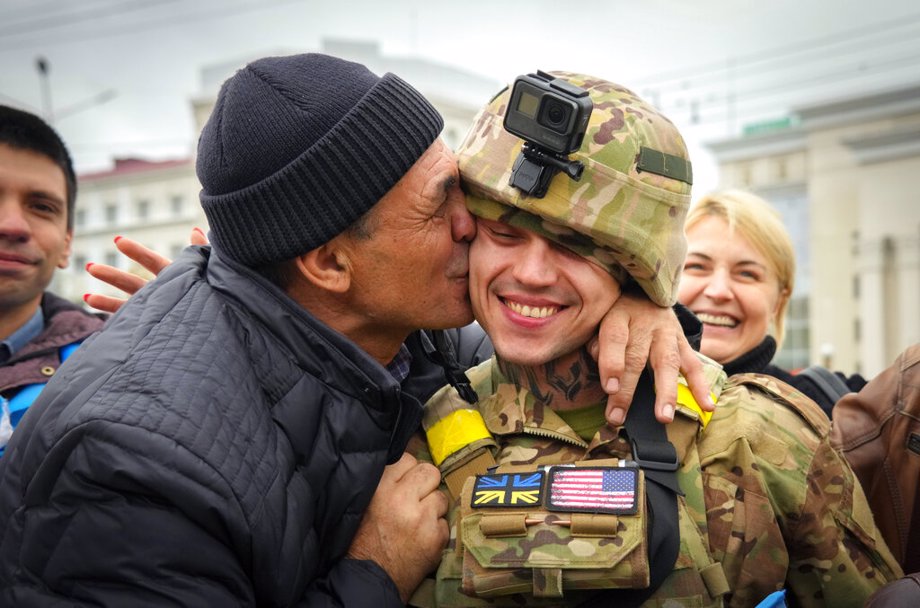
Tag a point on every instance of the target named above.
point(214, 445)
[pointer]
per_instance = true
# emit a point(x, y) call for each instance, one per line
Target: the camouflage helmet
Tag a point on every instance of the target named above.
point(626, 213)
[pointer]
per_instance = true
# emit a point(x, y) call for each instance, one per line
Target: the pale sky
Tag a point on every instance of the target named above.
point(711, 65)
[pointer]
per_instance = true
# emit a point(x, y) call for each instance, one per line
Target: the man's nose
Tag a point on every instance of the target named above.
point(13, 222)
point(462, 222)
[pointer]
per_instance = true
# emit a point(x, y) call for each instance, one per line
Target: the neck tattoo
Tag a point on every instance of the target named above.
point(568, 382)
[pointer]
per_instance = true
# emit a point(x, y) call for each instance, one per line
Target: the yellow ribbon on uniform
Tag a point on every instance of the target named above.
point(454, 432)
point(685, 398)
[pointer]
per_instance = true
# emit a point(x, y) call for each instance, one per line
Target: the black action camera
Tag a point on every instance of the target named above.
point(548, 112)
point(551, 115)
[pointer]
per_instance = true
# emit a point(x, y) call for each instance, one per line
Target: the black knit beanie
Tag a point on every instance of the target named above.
point(300, 147)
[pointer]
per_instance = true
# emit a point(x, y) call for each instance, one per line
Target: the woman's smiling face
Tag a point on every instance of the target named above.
point(729, 285)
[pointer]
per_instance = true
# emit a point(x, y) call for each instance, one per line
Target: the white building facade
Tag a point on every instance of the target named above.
point(155, 203)
point(843, 176)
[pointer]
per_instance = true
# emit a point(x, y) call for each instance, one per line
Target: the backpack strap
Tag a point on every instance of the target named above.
point(826, 380)
point(23, 399)
point(657, 457)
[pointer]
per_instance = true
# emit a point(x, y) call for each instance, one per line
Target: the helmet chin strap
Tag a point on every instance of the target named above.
point(445, 356)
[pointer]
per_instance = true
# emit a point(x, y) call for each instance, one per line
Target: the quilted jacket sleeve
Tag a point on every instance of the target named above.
point(108, 520)
point(354, 584)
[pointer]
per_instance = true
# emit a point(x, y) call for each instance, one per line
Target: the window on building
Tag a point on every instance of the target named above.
point(143, 209)
point(111, 213)
point(111, 258)
point(79, 262)
point(794, 353)
point(178, 205)
point(79, 218)
point(745, 174)
point(781, 171)
point(175, 250)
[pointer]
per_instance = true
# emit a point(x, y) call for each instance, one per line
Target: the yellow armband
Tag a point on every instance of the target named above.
point(685, 398)
point(456, 430)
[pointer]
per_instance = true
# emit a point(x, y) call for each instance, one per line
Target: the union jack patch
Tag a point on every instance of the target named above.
point(593, 489)
point(508, 490)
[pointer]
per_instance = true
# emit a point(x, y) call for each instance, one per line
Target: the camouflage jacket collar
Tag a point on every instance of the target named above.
point(509, 409)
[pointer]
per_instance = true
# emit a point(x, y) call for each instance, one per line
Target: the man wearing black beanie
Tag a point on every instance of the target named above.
point(218, 443)
point(221, 441)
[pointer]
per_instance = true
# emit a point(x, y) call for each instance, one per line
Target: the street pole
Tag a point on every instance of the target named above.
point(43, 69)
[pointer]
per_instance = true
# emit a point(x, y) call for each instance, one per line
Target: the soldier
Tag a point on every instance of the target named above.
point(719, 509)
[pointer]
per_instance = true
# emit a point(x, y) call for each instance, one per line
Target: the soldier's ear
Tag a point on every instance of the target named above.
point(327, 267)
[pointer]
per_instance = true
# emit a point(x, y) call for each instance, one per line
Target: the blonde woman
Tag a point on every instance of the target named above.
point(738, 278)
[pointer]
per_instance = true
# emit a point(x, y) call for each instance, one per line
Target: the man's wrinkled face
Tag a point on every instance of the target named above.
point(537, 300)
point(34, 239)
point(411, 270)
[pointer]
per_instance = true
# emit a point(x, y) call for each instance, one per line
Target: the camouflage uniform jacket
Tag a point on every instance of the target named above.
point(764, 491)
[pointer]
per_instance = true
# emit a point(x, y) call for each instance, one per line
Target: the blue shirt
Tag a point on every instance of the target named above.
point(22, 336)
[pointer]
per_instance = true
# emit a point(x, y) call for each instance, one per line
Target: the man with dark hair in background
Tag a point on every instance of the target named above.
point(38, 330)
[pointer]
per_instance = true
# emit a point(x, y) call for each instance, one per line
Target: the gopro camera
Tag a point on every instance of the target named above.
point(548, 112)
point(551, 116)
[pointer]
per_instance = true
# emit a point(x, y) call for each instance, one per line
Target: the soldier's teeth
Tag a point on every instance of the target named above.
point(722, 320)
point(534, 312)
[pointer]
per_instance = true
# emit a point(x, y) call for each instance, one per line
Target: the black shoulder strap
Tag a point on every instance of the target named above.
point(830, 383)
point(471, 344)
point(445, 355)
point(658, 459)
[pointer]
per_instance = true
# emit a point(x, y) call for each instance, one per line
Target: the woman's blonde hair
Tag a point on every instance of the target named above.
point(753, 218)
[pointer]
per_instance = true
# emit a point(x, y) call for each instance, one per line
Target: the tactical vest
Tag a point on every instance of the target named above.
point(576, 532)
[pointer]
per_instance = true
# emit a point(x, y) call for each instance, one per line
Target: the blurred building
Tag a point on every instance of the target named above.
point(842, 175)
point(153, 202)
point(156, 202)
point(456, 93)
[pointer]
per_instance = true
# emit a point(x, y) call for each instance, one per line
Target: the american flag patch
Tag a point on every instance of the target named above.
point(508, 490)
point(593, 489)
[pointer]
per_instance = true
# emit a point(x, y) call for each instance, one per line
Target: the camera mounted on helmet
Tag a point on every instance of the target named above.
point(551, 115)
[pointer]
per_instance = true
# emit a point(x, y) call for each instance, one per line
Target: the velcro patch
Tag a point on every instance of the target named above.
point(508, 490)
point(667, 165)
point(593, 489)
